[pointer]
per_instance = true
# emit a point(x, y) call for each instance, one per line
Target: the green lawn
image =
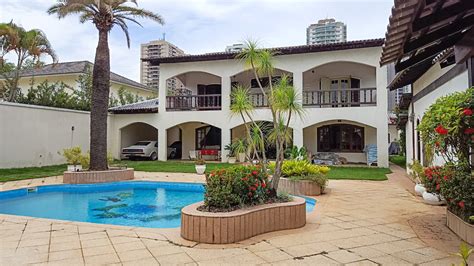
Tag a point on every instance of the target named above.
point(30, 172)
point(358, 173)
point(399, 160)
point(352, 173)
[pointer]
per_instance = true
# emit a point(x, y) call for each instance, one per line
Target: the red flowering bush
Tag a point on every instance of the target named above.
point(231, 188)
point(433, 178)
point(448, 126)
point(458, 190)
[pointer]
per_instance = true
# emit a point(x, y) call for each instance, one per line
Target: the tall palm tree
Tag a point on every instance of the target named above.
point(27, 45)
point(283, 100)
point(104, 14)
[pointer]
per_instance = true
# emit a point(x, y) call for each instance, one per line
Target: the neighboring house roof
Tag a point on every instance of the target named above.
point(419, 31)
point(148, 106)
point(76, 67)
point(301, 49)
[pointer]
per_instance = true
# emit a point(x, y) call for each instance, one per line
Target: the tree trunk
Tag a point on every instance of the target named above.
point(99, 104)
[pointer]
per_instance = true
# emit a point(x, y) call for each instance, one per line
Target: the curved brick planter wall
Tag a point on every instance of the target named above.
point(88, 177)
point(300, 187)
point(464, 230)
point(230, 227)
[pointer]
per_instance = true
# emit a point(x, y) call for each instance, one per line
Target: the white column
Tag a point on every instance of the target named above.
point(162, 95)
point(296, 123)
point(298, 84)
point(225, 140)
point(162, 144)
point(225, 91)
point(298, 135)
point(382, 117)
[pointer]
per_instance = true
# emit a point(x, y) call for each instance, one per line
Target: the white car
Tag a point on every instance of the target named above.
point(142, 149)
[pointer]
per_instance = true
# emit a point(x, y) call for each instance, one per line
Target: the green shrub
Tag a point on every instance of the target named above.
point(304, 170)
point(236, 186)
point(73, 155)
point(457, 187)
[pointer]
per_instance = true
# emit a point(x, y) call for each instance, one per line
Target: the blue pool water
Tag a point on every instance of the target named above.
point(139, 203)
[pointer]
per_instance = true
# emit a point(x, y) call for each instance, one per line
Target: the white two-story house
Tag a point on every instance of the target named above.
point(342, 86)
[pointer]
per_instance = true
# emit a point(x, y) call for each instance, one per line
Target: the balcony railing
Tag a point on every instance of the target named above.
point(340, 97)
point(194, 102)
point(258, 99)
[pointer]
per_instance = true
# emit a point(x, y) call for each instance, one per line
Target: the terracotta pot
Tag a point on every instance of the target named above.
point(200, 169)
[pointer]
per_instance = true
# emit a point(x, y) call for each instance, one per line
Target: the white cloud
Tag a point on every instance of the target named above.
point(199, 26)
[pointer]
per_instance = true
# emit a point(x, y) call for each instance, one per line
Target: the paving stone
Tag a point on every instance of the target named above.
point(273, 255)
point(66, 254)
point(134, 255)
point(102, 259)
point(344, 256)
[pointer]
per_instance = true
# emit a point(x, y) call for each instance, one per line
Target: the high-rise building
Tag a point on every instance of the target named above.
point(326, 31)
point(236, 47)
point(149, 75)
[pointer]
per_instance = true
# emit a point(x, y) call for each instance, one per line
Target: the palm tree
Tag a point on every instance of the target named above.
point(104, 14)
point(283, 100)
point(28, 45)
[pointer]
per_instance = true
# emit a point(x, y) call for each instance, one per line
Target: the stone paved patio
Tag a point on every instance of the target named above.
point(355, 223)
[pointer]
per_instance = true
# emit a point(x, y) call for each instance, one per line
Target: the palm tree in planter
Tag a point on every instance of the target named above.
point(283, 99)
point(104, 14)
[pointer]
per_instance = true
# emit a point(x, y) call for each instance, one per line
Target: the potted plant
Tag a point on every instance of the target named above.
point(240, 148)
point(231, 155)
point(417, 175)
point(74, 158)
point(200, 166)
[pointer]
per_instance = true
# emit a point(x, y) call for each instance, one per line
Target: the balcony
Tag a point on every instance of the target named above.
point(352, 97)
point(194, 102)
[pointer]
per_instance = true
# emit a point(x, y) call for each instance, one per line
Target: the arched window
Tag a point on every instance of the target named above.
point(340, 138)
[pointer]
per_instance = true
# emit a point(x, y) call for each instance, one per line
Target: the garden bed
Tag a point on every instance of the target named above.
point(299, 187)
point(464, 230)
point(87, 177)
point(241, 224)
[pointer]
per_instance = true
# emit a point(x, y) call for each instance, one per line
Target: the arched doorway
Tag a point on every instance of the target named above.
point(139, 133)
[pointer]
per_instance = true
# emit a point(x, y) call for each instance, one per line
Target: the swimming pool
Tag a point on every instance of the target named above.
point(136, 203)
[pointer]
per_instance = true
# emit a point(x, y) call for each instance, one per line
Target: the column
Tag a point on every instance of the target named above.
point(162, 144)
point(225, 140)
point(298, 84)
point(298, 135)
point(225, 91)
point(162, 91)
point(382, 117)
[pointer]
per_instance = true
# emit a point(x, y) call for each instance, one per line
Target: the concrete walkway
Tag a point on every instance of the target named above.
point(354, 223)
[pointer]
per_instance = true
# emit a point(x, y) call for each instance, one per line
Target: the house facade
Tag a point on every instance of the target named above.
point(431, 45)
point(342, 88)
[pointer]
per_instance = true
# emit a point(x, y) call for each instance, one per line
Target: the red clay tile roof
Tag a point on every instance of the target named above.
point(301, 49)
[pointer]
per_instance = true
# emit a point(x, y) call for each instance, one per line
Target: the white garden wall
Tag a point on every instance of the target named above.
point(34, 135)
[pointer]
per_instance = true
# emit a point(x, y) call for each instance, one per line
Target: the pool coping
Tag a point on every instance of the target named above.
point(173, 234)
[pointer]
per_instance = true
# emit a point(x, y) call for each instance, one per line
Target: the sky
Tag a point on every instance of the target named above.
point(200, 26)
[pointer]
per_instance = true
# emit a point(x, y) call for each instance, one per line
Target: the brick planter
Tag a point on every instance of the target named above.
point(300, 187)
point(464, 230)
point(87, 177)
point(231, 227)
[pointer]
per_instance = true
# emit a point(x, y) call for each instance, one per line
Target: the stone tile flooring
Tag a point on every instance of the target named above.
point(354, 223)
